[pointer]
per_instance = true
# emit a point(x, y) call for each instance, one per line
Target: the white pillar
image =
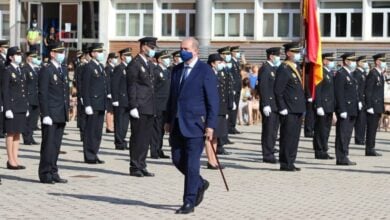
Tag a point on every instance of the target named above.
point(202, 22)
point(14, 27)
point(104, 12)
point(366, 20)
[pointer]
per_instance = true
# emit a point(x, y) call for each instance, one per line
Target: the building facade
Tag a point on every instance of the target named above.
point(362, 25)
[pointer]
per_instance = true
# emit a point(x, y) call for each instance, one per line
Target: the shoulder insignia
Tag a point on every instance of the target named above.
point(161, 75)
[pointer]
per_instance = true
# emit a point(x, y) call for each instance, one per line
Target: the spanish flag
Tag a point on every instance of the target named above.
point(313, 43)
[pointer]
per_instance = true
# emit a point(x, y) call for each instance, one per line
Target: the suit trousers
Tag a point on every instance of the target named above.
point(322, 127)
point(372, 127)
point(309, 119)
point(31, 124)
point(50, 149)
point(141, 131)
point(360, 126)
point(344, 129)
point(186, 153)
point(233, 113)
point(93, 135)
point(268, 134)
point(156, 141)
point(290, 129)
point(121, 125)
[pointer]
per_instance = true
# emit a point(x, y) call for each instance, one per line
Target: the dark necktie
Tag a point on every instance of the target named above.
point(18, 70)
point(184, 75)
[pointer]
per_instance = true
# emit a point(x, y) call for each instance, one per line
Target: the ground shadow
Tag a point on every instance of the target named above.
point(351, 170)
point(17, 178)
point(92, 169)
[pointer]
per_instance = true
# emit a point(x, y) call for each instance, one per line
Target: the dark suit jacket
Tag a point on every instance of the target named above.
point(195, 103)
point(14, 89)
point(325, 92)
point(266, 82)
point(79, 78)
point(375, 91)
point(94, 86)
point(140, 86)
point(32, 83)
point(288, 90)
point(346, 93)
point(360, 77)
point(119, 85)
point(162, 86)
point(53, 92)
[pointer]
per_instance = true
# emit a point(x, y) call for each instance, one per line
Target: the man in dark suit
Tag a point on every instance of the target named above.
point(120, 100)
point(54, 106)
point(140, 89)
point(347, 107)
point(94, 98)
point(3, 52)
point(360, 75)
point(192, 117)
point(112, 61)
point(162, 83)
point(30, 71)
point(324, 106)
point(269, 111)
point(237, 84)
point(290, 100)
point(374, 101)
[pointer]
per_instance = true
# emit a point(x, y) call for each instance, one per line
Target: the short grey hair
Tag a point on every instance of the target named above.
point(194, 41)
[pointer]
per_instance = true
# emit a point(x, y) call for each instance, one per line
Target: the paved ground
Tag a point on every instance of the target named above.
point(321, 190)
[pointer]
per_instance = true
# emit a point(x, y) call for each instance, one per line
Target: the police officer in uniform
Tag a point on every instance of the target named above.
point(162, 85)
point(324, 107)
point(374, 101)
point(54, 106)
point(176, 59)
point(95, 102)
point(269, 111)
point(290, 100)
point(309, 113)
point(237, 84)
point(3, 52)
point(347, 107)
point(81, 116)
point(120, 100)
point(360, 74)
point(140, 84)
point(112, 61)
point(30, 70)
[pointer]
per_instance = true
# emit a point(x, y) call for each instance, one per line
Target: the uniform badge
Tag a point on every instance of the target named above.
point(379, 79)
point(223, 74)
point(202, 118)
point(293, 75)
point(348, 78)
point(124, 72)
point(96, 72)
point(55, 77)
point(13, 75)
point(327, 76)
point(31, 75)
point(161, 75)
point(142, 69)
point(272, 74)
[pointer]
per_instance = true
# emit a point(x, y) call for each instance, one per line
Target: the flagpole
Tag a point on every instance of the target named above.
point(302, 41)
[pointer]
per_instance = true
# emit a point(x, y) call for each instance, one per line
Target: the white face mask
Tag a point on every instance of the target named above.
point(114, 61)
point(18, 59)
point(128, 59)
point(35, 25)
point(166, 62)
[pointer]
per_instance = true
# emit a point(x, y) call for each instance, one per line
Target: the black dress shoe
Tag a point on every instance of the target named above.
point(109, 131)
point(229, 142)
point(223, 152)
point(10, 167)
point(373, 154)
point(98, 161)
point(62, 152)
point(34, 142)
point(216, 167)
point(290, 169)
point(185, 209)
point(201, 191)
point(276, 150)
point(272, 160)
point(47, 181)
point(360, 142)
point(146, 173)
point(136, 173)
point(120, 148)
point(345, 163)
point(296, 168)
point(329, 157)
point(59, 180)
point(162, 155)
point(21, 167)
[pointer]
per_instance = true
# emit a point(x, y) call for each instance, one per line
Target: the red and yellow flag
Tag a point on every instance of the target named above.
point(313, 42)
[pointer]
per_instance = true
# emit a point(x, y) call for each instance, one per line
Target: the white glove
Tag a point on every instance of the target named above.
point(27, 113)
point(115, 103)
point(88, 110)
point(1, 109)
point(109, 96)
point(370, 111)
point(320, 111)
point(81, 100)
point(227, 116)
point(234, 106)
point(283, 112)
point(360, 105)
point(9, 114)
point(267, 110)
point(310, 100)
point(47, 121)
point(343, 115)
point(134, 113)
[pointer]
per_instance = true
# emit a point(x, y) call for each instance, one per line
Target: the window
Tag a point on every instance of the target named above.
point(233, 20)
point(91, 17)
point(134, 19)
point(178, 19)
point(341, 19)
point(380, 26)
point(4, 21)
point(281, 19)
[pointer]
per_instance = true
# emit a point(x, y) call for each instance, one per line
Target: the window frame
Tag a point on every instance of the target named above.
point(173, 13)
point(2, 14)
point(386, 17)
point(275, 13)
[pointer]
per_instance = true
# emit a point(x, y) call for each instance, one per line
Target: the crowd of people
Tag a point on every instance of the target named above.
point(198, 103)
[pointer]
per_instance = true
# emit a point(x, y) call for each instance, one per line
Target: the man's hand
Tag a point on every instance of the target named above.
point(9, 114)
point(320, 111)
point(167, 128)
point(116, 104)
point(234, 106)
point(360, 105)
point(267, 110)
point(88, 110)
point(209, 134)
point(47, 121)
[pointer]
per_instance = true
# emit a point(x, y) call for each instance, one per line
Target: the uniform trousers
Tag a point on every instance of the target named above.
point(269, 133)
point(233, 113)
point(344, 129)
point(372, 127)
point(156, 141)
point(309, 120)
point(360, 127)
point(322, 128)
point(121, 125)
point(290, 129)
point(31, 124)
point(93, 135)
point(81, 118)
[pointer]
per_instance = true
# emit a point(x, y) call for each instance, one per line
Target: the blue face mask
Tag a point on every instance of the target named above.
point(331, 65)
point(383, 65)
point(220, 66)
point(238, 55)
point(60, 57)
point(297, 57)
point(228, 58)
point(100, 57)
point(352, 65)
point(229, 65)
point(276, 61)
point(18, 59)
point(128, 59)
point(166, 62)
point(151, 53)
point(185, 55)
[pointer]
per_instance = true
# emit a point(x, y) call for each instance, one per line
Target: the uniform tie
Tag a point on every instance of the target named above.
point(184, 75)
